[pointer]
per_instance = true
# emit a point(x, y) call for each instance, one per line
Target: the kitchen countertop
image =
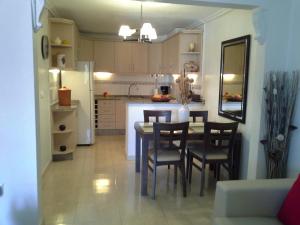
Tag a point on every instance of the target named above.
point(118, 97)
point(136, 99)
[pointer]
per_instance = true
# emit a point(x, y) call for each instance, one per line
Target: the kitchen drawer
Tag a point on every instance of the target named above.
point(106, 103)
point(107, 125)
point(120, 124)
point(106, 111)
point(107, 118)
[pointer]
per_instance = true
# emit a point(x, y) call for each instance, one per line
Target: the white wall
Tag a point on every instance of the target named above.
point(293, 63)
point(18, 117)
point(280, 51)
point(234, 24)
point(44, 101)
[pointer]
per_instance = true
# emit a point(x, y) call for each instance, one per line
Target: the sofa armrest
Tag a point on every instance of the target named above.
point(250, 197)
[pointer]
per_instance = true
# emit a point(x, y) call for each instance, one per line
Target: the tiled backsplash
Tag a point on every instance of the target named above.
point(145, 84)
point(119, 84)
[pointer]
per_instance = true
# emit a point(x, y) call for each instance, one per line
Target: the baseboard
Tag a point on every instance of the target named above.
point(100, 132)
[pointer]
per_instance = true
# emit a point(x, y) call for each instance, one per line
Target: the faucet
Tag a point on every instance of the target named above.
point(130, 86)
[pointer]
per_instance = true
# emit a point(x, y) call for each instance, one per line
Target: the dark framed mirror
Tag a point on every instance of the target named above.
point(235, 54)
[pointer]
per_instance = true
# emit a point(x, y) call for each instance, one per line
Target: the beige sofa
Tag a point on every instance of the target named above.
point(250, 202)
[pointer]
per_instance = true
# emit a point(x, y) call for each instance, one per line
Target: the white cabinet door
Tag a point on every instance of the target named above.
point(104, 56)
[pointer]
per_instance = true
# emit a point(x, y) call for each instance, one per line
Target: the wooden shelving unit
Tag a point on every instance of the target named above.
point(191, 53)
point(61, 46)
point(67, 116)
point(67, 31)
point(187, 37)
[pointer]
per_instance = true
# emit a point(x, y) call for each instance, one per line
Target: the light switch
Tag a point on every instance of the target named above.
point(1, 190)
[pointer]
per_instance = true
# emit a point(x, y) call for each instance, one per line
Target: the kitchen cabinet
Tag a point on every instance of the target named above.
point(106, 114)
point(155, 58)
point(85, 50)
point(110, 116)
point(63, 40)
point(131, 58)
point(64, 131)
point(171, 55)
point(139, 58)
point(120, 114)
point(104, 56)
point(123, 57)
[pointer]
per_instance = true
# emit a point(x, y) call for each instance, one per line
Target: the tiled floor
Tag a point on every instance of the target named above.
point(100, 187)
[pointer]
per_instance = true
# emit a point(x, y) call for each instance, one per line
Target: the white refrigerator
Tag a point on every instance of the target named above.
point(81, 83)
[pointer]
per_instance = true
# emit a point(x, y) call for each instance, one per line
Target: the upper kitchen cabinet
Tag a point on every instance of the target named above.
point(85, 50)
point(104, 56)
point(131, 58)
point(155, 58)
point(64, 40)
point(123, 57)
point(140, 58)
point(171, 55)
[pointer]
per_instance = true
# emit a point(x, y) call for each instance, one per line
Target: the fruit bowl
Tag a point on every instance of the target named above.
point(160, 98)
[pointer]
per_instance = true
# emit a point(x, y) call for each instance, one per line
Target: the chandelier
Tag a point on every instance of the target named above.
point(147, 32)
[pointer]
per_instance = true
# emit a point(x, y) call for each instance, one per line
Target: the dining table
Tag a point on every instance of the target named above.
point(144, 134)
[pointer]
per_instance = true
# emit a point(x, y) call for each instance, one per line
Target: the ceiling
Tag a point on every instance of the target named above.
point(106, 16)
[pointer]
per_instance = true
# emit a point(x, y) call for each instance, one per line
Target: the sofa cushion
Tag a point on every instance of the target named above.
point(246, 221)
point(289, 213)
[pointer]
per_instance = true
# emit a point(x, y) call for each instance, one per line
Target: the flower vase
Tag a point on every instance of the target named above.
point(183, 113)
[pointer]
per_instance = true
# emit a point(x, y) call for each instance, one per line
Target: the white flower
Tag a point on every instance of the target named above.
point(280, 137)
point(274, 77)
point(274, 91)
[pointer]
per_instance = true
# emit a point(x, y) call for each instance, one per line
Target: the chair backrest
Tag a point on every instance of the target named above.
point(220, 136)
point(166, 114)
point(170, 136)
point(196, 114)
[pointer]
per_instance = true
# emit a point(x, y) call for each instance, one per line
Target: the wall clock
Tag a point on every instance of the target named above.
point(45, 47)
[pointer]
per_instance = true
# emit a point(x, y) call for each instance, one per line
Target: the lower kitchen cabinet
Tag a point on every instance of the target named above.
point(120, 114)
point(110, 116)
point(64, 132)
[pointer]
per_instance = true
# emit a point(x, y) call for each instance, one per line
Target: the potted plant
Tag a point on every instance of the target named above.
point(280, 96)
point(184, 97)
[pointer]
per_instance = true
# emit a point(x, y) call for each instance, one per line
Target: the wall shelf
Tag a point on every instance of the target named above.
point(58, 152)
point(66, 115)
point(64, 30)
point(191, 53)
point(67, 131)
point(61, 46)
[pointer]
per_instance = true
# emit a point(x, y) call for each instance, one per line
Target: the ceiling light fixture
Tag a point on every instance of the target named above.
point(147, 32)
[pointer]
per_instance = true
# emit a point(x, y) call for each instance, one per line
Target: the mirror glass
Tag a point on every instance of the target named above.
point(234, 78)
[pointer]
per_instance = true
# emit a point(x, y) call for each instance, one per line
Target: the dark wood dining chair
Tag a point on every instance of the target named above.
point(172, 153)
point(216, 149)
point(166, 114)
point(199, 114)
point(157, 114)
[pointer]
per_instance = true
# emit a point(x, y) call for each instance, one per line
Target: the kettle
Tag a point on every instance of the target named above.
point(61, 61)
